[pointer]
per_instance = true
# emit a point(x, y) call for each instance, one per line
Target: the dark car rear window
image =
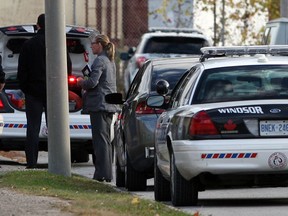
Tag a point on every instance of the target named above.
point(171, 74)
point(73, 45)
point(175, 45)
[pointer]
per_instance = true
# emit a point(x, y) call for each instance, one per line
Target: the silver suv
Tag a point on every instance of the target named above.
point(12, 99)
point(162, 43)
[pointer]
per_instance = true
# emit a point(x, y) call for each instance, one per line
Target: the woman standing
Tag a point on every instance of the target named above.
point(100, 82)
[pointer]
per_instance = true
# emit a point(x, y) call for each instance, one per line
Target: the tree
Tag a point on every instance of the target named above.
point(174, 13)
point(244, 19)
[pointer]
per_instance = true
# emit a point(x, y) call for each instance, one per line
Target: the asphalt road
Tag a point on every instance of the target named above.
point(225, 202)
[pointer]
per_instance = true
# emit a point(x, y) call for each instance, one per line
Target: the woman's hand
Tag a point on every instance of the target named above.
point(79, 81)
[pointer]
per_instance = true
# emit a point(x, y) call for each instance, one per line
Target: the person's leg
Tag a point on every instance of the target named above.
point(100, 122)
point(34, 109)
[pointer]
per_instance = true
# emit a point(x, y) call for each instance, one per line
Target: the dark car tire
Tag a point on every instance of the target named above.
point(135, 181)
point(120, 175)
point(162, 190)
point(183, 192)
point(79, 156)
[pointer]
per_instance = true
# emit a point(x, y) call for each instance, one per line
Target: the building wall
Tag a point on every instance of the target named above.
point(124, 21)
point(27, 11)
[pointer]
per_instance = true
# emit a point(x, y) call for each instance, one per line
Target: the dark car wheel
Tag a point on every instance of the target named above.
point(79, 156)
point(183, 192)
point(120, 175)
point(135, 181)
point(162, 190)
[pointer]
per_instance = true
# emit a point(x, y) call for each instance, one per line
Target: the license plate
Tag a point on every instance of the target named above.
point(273, 128)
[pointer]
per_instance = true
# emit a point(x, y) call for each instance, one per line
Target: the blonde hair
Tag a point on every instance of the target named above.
point(108, 46)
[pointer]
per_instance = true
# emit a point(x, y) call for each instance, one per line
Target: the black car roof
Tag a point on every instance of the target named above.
point(30, 30)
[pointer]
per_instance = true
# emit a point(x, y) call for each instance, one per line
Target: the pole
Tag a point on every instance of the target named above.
point(214, 22)
point(192, 22)
point(223, 23)
point(74, 12)
point(59, 161)
point(284, 8)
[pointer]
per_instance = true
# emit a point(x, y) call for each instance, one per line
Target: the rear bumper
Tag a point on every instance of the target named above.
point(263, 156)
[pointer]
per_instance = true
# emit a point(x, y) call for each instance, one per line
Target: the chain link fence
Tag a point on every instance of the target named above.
point(125, 21)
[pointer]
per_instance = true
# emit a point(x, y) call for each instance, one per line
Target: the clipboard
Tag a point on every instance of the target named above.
point(86, 71)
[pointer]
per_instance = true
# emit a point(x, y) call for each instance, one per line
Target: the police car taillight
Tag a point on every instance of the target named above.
point(1, 105)
point(72, 80)
point(140, 61)
point(201, 124)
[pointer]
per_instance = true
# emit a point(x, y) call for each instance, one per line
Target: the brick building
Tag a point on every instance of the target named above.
point(124, 21)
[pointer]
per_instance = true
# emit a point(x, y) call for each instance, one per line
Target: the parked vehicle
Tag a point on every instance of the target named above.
point(276, 32)
point(134, 138)
point(225, 124)
point(162, 43)
point(12, 100)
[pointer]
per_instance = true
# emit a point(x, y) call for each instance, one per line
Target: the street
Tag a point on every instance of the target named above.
point(225, 202)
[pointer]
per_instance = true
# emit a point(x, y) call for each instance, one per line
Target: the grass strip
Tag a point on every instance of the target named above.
point(87, 197)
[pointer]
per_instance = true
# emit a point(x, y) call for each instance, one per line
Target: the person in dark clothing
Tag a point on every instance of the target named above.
point(32, 81)
point(2, 75)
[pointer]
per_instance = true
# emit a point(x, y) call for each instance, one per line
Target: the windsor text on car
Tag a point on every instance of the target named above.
point(225, 125)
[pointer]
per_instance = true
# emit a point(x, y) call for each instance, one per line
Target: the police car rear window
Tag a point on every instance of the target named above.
point(243, 83)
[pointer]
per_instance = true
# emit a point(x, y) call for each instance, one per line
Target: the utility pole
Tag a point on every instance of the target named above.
point(223, 23)
point(214, 22)
point(74, 12)
point(59, 161)
point(284, 8)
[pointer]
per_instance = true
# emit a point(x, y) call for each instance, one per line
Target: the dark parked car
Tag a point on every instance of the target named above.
point(134, 143)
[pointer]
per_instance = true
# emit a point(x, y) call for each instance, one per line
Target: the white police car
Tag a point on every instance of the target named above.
point(12, 100)
point(226, 124)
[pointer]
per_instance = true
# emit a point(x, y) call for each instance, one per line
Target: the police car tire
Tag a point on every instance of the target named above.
point(183, 192)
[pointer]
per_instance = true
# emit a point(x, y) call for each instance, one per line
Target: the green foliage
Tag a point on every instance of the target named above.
point(179, 7)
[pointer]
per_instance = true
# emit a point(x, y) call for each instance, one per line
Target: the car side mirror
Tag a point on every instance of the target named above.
point(155, 101)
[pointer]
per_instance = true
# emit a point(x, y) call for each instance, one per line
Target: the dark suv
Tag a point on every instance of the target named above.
point(134, 131)
point(162, 43)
